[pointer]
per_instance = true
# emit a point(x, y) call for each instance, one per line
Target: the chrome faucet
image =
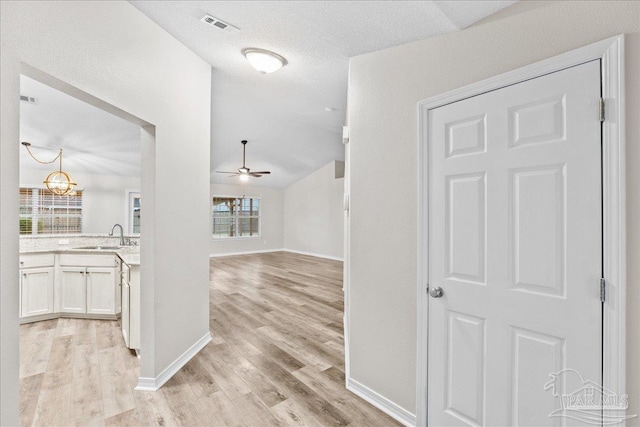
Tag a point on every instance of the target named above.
point(121, 233)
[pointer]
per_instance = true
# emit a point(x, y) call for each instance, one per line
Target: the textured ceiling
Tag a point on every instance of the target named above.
point(93, 141)
point(283, 114)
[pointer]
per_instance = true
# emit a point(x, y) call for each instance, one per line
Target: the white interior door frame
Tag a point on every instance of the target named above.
point(611, 54)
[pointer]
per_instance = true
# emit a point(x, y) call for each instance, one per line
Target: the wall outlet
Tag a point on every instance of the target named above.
point(63, 241)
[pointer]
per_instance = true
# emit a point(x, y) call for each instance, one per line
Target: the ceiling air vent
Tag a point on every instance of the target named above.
point(29, 99)
point(215, 22)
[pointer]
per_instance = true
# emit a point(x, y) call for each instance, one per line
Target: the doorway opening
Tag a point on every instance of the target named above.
point(73, 255)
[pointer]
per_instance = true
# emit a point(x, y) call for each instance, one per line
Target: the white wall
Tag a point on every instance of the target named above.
point(384, 88)
point(313, 213)
point(104, 197)
point(272, 220)
point(112, 51)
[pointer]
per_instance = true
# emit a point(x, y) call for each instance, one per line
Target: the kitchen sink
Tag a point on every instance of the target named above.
point(98, 248)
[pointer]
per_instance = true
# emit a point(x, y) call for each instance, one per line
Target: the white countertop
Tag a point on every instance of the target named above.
point(128, 254)
point(75, 243)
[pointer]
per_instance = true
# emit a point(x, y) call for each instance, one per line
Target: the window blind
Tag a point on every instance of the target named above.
point(42, 212)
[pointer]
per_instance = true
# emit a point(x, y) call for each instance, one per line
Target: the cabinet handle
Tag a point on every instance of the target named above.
point(21, 262)
point(24, 274)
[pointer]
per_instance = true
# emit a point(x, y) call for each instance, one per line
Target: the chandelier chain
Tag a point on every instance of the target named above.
point(28, 145)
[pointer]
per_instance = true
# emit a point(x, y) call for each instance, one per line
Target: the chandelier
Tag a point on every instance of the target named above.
point(58, 182)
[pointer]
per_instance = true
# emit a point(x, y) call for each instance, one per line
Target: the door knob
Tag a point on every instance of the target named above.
point(436, 292)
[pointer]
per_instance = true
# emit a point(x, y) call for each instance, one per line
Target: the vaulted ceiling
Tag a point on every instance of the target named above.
point(93, 141)
point(284, 115)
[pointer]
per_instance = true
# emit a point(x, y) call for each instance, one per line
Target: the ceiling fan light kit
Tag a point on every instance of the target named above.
point(263, 60)
point(244, 172)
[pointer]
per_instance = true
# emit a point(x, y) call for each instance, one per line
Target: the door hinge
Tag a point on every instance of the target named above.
point(603, 289)
point(601, 110)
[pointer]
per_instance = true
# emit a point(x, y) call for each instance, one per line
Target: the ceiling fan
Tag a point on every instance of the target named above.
point(244, 172)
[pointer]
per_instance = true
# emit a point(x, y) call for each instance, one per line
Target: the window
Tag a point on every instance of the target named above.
point(236, 217)
point(133, 224)
point(42, 212)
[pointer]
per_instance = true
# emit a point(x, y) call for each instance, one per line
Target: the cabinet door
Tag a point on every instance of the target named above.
point(101, 290)
point(36, 292)
point(134, 307)
point(73, 290)
point(125, 313)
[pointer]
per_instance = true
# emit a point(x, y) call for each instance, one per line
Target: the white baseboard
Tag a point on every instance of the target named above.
point(244, 253)
point(385, 405)
point(335, 258)
point(153, 384)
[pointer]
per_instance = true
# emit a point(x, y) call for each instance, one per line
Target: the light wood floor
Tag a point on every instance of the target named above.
point(276, 359)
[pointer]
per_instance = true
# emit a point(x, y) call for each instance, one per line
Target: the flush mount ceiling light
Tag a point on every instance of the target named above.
point(263, 60)
point(58, 182)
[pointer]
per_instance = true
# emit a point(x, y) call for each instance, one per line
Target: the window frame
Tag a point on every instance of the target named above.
point(130, 195)
point(236, 217)
point(34, 215)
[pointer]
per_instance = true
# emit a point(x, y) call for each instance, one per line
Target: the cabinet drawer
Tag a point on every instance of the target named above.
point(88, 260)
point(37, 260)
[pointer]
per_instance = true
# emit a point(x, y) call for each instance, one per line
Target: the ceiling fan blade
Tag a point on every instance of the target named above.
point(234, 175)
point(244, 170)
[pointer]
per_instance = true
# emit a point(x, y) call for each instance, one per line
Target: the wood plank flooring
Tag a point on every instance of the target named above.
point(276, 358)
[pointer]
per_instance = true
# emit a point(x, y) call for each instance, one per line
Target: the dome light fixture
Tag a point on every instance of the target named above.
point(263, 60)
point(58, 182)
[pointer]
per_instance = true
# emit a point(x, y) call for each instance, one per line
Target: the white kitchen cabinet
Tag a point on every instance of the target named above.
point(69, 284)
point(72, 291)
point(89, 284)
point(124, 319)
point(134, 307)
point(130, 320)
point(101, 290)
point(36, 291)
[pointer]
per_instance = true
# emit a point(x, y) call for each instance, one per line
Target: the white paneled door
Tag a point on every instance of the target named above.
point(515, 246)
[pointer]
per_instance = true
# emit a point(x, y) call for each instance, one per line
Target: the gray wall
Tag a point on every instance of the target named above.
point(305, 217)
point(112, 51)
point(313, 213)
point(384, 88)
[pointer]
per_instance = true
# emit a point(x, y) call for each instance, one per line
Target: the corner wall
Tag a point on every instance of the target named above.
point(313, 213)
point(384, 89)
point(112, 51)
point(271, 221)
